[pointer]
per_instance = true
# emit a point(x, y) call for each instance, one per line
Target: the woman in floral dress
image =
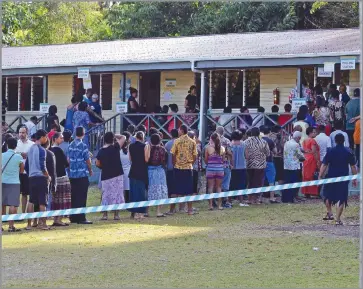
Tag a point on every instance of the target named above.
point(157, 189)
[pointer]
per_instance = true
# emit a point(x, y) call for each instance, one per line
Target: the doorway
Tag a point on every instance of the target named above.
point(149, 90)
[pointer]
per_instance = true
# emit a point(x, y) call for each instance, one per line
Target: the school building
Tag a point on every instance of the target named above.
point(229, 70)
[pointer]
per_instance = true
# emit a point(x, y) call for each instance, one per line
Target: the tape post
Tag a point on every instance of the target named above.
point(95, 209)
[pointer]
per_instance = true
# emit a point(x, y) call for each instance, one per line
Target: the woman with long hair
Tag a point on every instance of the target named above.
point(61, 199)
point(52, 118)
point(213, 157)
point(312, 162)
point(321, 113)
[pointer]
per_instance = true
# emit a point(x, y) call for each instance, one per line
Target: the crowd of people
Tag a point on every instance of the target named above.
point(51, 169)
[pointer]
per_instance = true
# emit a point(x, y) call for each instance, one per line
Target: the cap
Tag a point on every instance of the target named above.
point(297, 134)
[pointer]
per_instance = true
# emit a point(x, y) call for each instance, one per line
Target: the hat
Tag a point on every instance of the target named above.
point(297, 134)
point(357, 92)
point(94, 96)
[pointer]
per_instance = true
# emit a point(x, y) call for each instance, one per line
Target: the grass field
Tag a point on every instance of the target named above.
point(263, 246)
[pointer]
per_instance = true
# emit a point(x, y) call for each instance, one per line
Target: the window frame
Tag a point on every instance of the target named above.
point(32, 96)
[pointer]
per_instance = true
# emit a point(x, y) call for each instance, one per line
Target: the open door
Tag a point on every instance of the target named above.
point(149, 90)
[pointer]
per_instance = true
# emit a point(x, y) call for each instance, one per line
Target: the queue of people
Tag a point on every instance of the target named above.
point(51, 170)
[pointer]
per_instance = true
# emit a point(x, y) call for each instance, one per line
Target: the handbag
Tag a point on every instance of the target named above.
point(3, 169)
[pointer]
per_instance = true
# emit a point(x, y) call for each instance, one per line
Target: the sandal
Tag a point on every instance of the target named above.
point(328, 217)
point(116, 218)
point(60, 225)
point(338, 223)
point(169, 213)
point(192, 213)
point(44, 228)
point(161, 216)
point(13, 229)
point(104, 219)
point(211, 209)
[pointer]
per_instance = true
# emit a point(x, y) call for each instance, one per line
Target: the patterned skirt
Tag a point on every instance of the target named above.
point(113, 191)
point(61, 200)
point(158, 188)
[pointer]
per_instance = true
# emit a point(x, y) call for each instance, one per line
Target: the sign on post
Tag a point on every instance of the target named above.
point(347, 63)
point(121, 107)
point(170, 82)
point(44, 108)
point(296, 103)
point(322, 73)
point(329, 66)
point(83, 72)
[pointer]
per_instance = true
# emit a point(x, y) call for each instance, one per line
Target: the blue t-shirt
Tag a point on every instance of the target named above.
point(239, 159)
point(352, 110)
point(168, 147)
point(78, 155)
point(11, 173)
point(339, 159)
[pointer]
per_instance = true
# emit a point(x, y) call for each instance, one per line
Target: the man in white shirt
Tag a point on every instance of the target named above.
point(338, 130)
point(32, 125)
point(23, 147)
point(323, 141)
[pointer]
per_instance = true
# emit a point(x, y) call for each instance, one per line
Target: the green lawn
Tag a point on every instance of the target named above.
point(264, 246)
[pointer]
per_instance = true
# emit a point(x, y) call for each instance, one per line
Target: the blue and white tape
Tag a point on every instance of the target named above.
point(174, 200)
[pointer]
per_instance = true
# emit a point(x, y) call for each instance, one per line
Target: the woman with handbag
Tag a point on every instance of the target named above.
point(13, 166)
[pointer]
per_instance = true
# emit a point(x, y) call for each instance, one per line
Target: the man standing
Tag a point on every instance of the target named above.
point(293, 156)
point(352, 110)
point(32, 125)
point(39, 178)
point(184, 153)
point(323, 141)
point(80, 167)
point(23, 147)
point(339, 130)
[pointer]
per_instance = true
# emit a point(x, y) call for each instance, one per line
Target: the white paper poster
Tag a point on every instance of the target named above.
point(322, 73)
point(347, 63)
point(87, 83)
point(329, 66)
point(121, 107)
point(83, 72)
point(167, 96)
point(296, 103)
point(44, 107)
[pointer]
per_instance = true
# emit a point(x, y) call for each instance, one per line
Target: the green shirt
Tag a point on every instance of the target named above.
point(352, 110)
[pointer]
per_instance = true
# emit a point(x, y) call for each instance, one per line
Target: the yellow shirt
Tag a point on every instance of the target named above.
point(356, 135)
point(184, 149)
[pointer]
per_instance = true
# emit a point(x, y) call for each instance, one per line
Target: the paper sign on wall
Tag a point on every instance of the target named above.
point(167, 95)
point(121, 107)
point(127, 89)
point(322, 73)
point(170, 82)
point(296, 103)
point(44, 108)
point(329, 66)
point(347, 63)
point(83, 72)
point(87, 83)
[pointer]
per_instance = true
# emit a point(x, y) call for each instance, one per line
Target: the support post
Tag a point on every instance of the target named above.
point(298, 82)
point(203, 99)
point(361, 155)
point(45, 89)
point(315, 76)
point(244, 85)
point(123, 86)
point(227, 88)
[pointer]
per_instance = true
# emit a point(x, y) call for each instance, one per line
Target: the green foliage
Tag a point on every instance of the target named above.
point(66, 22)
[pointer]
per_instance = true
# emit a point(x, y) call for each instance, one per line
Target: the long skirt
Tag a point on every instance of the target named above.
point(62, 197)
point(113, 191)
point(137, 194)
point(158, 188)
point(309, 169)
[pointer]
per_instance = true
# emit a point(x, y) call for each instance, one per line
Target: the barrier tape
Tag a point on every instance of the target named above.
point(86, 210)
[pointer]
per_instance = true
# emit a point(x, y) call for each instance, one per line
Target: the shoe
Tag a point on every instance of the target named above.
point(85, 223)
point(243, 205)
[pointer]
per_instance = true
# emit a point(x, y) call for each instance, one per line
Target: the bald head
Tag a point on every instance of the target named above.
point(220, 130)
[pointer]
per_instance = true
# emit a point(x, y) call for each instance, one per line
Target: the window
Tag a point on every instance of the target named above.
point(218, 88)
point(101, 85)
point(308, 77)
point(23, 93)
point(235, 88)
point(252, 99)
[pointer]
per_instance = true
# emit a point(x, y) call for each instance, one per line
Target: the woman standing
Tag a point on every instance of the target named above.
point(132, 104)
point(239, 171)
point(312, 162)
point(52, 118)
point(214, 159)
point(139, 156)
point(81, 118)
point(69, 115)
point(157, 180)
point(124, 142)
point(191, 101)
point(321, 113)
point(61, 200)
point(109, 161)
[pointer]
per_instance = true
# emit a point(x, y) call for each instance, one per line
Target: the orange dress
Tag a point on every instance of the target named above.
point(310, 166)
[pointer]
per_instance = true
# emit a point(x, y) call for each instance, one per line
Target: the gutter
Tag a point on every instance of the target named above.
point(194, 69)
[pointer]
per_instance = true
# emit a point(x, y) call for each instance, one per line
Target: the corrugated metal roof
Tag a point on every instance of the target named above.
point(213, 47)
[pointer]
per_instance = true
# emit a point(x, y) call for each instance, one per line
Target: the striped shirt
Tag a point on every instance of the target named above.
point(257, 151)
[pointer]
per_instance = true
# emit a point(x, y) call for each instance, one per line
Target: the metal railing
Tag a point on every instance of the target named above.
point(20, 119)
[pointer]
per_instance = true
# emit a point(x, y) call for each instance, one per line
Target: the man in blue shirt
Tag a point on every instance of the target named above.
point(36, 168)
point(352, 110)
point(79, 169)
